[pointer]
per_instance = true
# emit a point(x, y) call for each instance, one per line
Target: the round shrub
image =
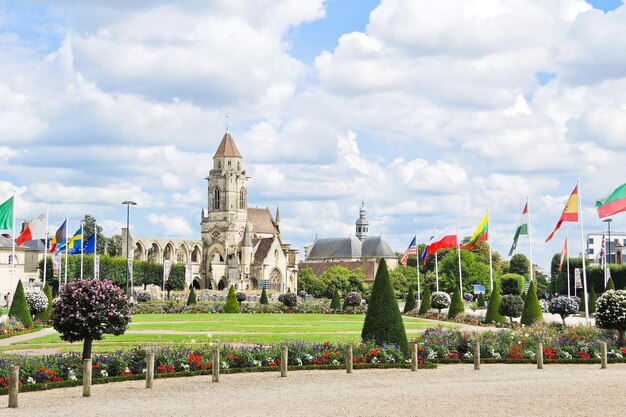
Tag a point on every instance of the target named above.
point(88, 309)
point(440, 300)
point(289, 299)
point(352, 299)
point(511, 306)
point(241, 297)
point(468, 297)
point(512, 284)
point(563, 306)
point(37, 301)
point(611, 312)
point(143, 296)
point(302, 294)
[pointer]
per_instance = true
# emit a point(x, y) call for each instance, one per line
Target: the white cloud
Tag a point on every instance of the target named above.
point(170, 225)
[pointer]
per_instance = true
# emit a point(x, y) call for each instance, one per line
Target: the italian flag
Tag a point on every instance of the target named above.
point(522, 229)
point(35, 230)
point(6, 215)
point(614, 203)
point(481, 234)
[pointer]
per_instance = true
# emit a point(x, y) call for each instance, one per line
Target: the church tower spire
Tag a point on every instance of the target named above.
point(362, 225)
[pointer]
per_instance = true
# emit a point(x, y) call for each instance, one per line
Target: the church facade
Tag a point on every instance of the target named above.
point(241, 245)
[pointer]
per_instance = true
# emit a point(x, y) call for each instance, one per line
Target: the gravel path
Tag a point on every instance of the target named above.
point(450, 390)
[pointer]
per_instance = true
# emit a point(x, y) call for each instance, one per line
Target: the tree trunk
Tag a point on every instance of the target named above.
point(621, 336)
point(87, 348)
point(563, 318)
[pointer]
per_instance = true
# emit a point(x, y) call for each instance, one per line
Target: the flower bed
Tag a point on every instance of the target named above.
point(310, 307)
point(13, 327)
point(579, 344)
point(459, 318)
point(194, 359)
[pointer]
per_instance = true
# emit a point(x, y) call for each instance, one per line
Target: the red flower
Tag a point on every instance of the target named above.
point(584, 355)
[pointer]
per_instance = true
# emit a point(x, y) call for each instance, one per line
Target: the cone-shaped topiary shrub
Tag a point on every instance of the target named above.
point(425, 305)
point(493, 313)
point(532, 310)
point(191, 300)
point(44, 316)
point(335, 303)
point(609, 284)
point(232, 305)
point(481, 300)
point(383, 321)
point(592, 300)
point(411, 303)
point(456, 305)
point(264, 299)
point(19, 306)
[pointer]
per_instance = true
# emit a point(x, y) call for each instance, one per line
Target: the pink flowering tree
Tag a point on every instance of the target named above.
point(88, 309)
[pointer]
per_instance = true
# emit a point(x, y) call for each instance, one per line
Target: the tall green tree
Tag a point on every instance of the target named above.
point(474, 272)
point(519, 264)
point(89, 224)
point(19, 306)
point(114, 246)
point(383, 321)
point(411, 302)
point(425, 304)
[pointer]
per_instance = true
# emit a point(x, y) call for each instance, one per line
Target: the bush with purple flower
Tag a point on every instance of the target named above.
point(352, 299)
point(440, 300)
point(563, 306)
point(88, 309)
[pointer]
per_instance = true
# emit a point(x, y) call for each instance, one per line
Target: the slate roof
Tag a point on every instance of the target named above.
point(350, 248)
point(227, 147)
point(261, 220)
point(263, 247)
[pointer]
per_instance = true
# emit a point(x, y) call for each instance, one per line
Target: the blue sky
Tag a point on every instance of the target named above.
point(428, 111)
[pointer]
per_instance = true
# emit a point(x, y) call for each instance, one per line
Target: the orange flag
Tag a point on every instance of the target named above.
point(570, 212)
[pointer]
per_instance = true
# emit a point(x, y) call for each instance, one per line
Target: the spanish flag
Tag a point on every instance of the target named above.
point(570, 212)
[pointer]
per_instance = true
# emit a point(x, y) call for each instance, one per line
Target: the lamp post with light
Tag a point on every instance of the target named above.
point(128, 203)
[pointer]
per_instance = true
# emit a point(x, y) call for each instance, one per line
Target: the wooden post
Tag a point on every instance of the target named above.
point(216, 365)
point(14, 384)
point(149, 369)
point(349, 359)
point(283, 361)
point(87, 378)
point(413, 356)
point(539, 355)
point(603, 360)
point(477, 355)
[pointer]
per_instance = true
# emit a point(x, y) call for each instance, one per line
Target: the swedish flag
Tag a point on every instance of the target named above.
point(75, 244)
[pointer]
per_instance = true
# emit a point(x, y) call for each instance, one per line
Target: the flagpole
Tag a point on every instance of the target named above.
point(604, 260)
point(82, 251)
point(45, 249)
point(458, 250)
point(13, 253)
point(417, 267)
point(530, 241)
point(582, 251)
point(490, 256)
point(569, 292)
point(436, 267)
point(66, 230)
point(95, 248)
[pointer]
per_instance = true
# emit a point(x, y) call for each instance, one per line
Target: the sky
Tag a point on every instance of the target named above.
point(427, 111)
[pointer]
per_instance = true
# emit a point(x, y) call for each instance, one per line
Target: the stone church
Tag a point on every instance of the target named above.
point(241, 246)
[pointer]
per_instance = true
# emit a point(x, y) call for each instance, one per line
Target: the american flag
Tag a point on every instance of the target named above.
point(411, 250)
point(602, 254)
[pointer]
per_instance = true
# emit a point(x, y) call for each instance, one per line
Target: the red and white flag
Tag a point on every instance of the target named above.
point(35, 230)
point(444, 239)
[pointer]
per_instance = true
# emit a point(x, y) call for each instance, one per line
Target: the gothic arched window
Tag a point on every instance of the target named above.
point(216, 198)
point(242, 199)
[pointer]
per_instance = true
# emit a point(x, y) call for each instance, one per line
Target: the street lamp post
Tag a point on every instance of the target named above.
point(128, 203)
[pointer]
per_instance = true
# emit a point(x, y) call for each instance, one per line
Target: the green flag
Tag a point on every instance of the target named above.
point(6, 215)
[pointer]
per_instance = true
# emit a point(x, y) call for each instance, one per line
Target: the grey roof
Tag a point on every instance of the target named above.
point(5, 243)
point(37, 245)
point(376, 247)
point(350, 247)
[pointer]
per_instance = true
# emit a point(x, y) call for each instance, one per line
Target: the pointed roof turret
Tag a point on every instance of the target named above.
point(247, 239)
point(277, 218)
point(227, 147)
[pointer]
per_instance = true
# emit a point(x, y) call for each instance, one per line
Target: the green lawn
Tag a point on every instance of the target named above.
point(233, 328)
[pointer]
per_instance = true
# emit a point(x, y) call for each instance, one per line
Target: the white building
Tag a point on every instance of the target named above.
point(26, 265)
point(594, 244)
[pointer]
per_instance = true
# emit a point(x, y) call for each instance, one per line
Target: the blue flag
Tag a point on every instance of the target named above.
point(90, 245)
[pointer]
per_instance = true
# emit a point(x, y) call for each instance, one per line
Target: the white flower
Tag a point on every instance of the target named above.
point(298, 361)
point(104, 373)
point(31, 380)
point(224, 365)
